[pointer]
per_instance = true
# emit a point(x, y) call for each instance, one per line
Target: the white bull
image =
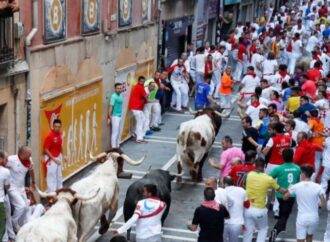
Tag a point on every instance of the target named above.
point(104, 177)
point(194, 140)
point(57, 225)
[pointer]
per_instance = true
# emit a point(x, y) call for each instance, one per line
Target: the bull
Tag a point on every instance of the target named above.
point(58, 224)
point(162, 179)
point(194, 141)
point(104, 177)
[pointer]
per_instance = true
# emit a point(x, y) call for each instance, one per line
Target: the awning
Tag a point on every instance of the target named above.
point(228, 2)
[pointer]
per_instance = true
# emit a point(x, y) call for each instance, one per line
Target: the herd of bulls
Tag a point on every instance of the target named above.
point(95, 198)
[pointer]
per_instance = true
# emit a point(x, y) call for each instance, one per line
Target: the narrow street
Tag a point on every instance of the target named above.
point(160, 153)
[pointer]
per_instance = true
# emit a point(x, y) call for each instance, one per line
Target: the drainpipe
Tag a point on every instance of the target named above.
point(28, 42)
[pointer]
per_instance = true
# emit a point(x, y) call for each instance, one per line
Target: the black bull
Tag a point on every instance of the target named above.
point(162, 179)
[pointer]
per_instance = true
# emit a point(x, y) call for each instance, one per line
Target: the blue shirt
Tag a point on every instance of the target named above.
point(303, 108)
point(263, 130)
point(202, 91)
point(286, 94)
point(326, 32)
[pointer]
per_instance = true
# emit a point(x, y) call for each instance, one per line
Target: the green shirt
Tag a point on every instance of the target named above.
point(116, 101)
point(287, 175)
point(152, 95)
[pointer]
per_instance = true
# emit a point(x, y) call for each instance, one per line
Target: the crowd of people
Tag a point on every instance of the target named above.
point(279, 66)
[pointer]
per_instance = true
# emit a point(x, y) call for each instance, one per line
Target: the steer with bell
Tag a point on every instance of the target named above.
point(104, 177)
point(194, 141)
point(57, 225)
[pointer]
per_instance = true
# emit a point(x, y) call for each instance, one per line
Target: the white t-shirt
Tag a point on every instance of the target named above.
point(200, 62)
point(237, 196)
point(301, 126)
point(311, 43)
point(266, 92)
point(308, 197)
point(4, 181)
point(17, 172)
point(256, 61)
point(269, 67)
point(253, 112)
point(301, 31)
point(221, 196)
point(296, 47)
point(277, 80)
point(326, 153)
point(147, 215)
point(250, 83)
point(322, 104)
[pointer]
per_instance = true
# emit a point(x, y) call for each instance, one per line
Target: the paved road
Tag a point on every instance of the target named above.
point(160, 154)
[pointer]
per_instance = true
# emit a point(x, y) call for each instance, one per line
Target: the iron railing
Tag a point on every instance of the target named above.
point(7, 55)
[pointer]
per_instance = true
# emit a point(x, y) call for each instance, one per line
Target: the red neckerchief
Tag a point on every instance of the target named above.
point(171, 69)
point(25, 163)
point(211, 51)
point(276, 100)
point(211, 204)
point(252, 74)
point(290, 133)
point(282, 73)
point(255, 104)
point(316, 57)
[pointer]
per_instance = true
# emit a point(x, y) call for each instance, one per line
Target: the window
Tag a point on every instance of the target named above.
point(6, 37)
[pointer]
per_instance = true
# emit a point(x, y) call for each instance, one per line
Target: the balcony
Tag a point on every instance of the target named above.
point(7, 55)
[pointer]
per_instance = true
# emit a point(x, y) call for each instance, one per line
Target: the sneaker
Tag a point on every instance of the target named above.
point(149, 132)
point(277, 214)
point(273, 234)
point(146, 137)
point(161, 124)
point(156, 129)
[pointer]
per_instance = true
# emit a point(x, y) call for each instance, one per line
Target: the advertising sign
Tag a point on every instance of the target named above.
point(125, 13)
point(90, 17)
point(80, 111)
point(54, 20)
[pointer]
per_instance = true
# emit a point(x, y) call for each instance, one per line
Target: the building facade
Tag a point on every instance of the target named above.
point(76, 51)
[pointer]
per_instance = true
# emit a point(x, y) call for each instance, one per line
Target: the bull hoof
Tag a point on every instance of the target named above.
point(104, 228)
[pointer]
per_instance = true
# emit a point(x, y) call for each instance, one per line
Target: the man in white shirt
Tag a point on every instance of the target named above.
point(308, 196)
point(297, 50)
point(19, 165)
point(4, 186)
point(239, 201)
point(257, 60)
point(249, 82)
point(200, 58)
point(326, 165)
point(220, 193)
point(147, 216)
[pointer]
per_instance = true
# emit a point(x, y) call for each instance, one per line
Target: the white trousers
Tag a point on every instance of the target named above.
point(20, 204)
point(238, 72)
point(256, 218)
point(54, 174)
point(139, 126)
point(9, 234)
point(327, 230)
point(325, 178)
point(115, 131)
point(156, 114)
point(214, 86)
point(292, 63)
point(181, 90)
point(225, 100)
point(231, 232)
point(156, 238)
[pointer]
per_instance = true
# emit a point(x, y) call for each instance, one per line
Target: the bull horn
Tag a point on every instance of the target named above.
point(222, 115)
point(131, 161)
point(46, 194)
point(99, 156)
point(82, 198)
point(176, 174)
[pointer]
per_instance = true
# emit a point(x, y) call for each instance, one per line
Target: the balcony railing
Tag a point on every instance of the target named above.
point(7, 55)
